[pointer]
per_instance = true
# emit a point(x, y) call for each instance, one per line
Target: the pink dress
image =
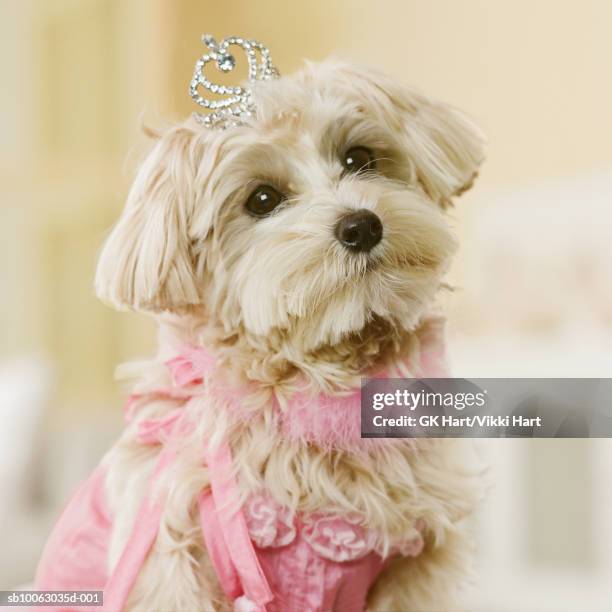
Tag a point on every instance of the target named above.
point(266, 559)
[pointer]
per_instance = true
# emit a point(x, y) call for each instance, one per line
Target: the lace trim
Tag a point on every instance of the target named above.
point(336, 538)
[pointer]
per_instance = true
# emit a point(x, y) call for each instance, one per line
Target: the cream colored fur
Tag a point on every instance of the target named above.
point(279, 299)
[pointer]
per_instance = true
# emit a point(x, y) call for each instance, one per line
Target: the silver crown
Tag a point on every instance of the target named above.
point(229, 111)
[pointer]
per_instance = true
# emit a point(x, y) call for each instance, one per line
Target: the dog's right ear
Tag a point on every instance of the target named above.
point(146, 262)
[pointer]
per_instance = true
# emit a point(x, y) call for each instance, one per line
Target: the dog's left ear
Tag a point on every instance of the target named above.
point(444, 146)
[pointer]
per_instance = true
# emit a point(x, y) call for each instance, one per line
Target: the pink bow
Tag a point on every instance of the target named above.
point(225, 531)
point(191, 366)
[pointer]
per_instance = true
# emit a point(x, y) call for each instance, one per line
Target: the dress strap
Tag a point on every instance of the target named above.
point(225, 532)
point(224, 527)
point(139, 544)
point(217, 548)
point(233, 529)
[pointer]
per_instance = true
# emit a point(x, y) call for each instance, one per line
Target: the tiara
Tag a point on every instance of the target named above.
point(238, 104)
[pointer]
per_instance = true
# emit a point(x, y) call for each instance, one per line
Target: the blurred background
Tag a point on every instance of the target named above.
point(534, 288)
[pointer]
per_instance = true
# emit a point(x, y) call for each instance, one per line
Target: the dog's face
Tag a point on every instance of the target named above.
point(320, 214)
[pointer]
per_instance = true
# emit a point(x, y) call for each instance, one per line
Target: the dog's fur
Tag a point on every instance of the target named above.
point(279, 300)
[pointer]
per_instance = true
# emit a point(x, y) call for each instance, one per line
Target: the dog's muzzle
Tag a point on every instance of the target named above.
point(359, 231)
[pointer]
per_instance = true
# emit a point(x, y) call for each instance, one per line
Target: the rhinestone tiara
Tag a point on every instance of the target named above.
point(238, 101)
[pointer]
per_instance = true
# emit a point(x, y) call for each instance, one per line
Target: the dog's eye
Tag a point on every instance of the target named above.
point(263, 201)
point(359, 159)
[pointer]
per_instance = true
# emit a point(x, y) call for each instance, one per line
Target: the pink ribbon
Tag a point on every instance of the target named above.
point(191, 366)
point(153, 431)
point(233, 529)
point(225, 532)
point(139, 544)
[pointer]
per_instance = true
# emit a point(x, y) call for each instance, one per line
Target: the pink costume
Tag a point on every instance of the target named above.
point(266, 558)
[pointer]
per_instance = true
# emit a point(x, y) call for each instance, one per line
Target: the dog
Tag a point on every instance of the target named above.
point(285, 257)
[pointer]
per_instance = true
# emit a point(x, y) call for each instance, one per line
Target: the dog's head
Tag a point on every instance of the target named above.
point(320, 214)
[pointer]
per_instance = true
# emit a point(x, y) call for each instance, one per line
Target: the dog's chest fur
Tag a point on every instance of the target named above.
point(389, 486)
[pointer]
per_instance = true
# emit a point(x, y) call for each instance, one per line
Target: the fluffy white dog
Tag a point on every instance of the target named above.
point(292, 253)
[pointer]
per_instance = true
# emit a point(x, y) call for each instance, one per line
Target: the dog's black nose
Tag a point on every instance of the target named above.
point(359, 231)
